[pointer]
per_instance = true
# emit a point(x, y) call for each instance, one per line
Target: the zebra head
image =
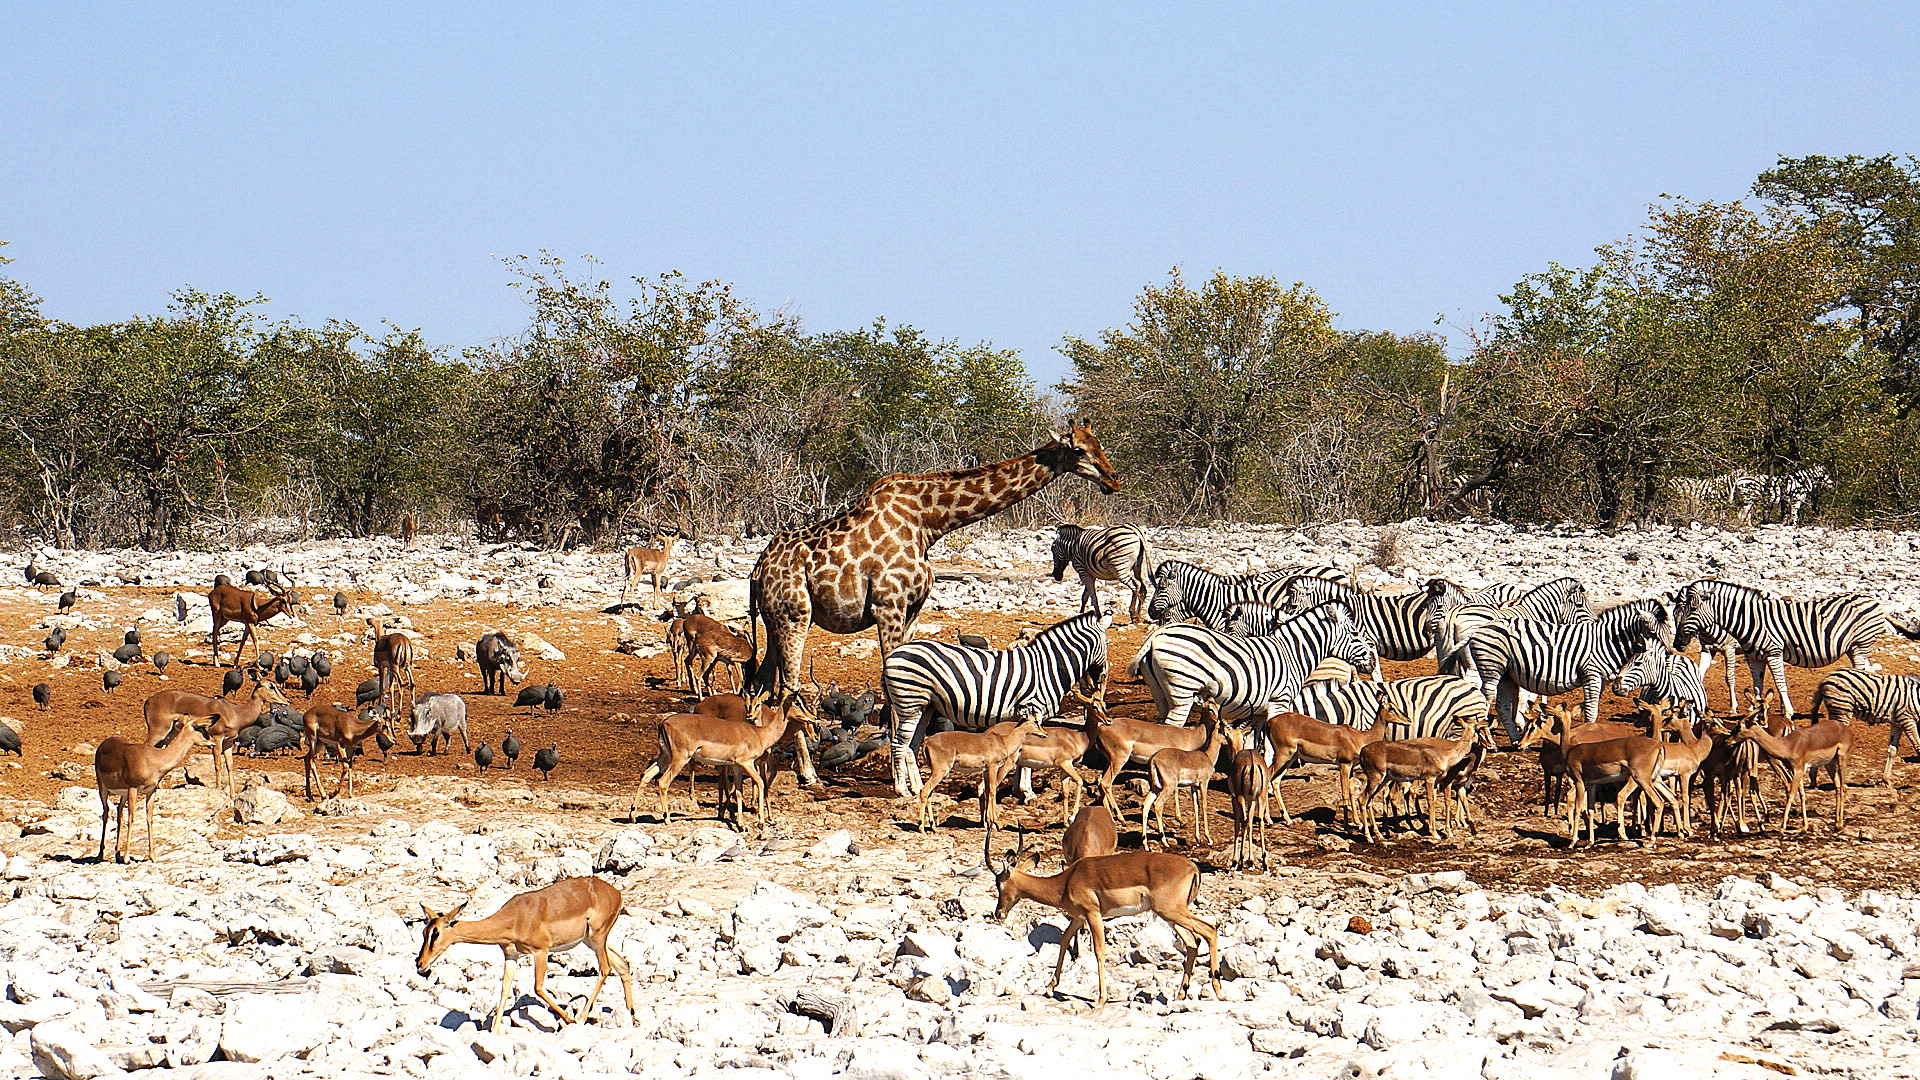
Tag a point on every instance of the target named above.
point(1302, 592)
point(1694, 616)
point(1640, 669)
point(1063, 539)
point(1573, 605)
point(1249, 619)
point(1349, 640)
point(1166, 603)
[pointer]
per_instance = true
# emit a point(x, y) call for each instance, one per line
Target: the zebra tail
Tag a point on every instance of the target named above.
point(1139, 662)
point(1142, 562)
point(1905, 625)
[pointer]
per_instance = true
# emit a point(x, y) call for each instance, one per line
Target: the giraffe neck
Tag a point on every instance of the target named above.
point(948, 501)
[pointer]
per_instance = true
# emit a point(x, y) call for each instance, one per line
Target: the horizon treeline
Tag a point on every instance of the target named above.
point(1764, 336)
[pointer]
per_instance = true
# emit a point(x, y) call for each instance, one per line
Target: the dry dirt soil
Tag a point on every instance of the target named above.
point(605, 736)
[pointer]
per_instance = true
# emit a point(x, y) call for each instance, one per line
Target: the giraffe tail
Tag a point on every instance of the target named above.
point(750, 670)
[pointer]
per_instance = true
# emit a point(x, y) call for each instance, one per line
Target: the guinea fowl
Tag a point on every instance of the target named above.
point(546, 760)
point(385, 742)
point(66, 599)
point(297, 665)
point(275, 738)
point(282, 671)
point(126, 653)
point(483, 756)
point(37, 576)
point(231, 681)
point(341, 603)
point(133, 636)
point(367, 692)
point(264, 661)
point(109, 680)
point(42, 693)
point(532, 697)
point(56, 639)
point(9, 740)
point(510, 748)
point(323, 664)
point(160, 661)
point(555, 698)
point(309, 681)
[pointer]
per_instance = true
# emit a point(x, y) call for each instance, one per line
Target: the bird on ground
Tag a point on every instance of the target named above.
point(341, 603)
point(297, 664)
point(532, 697)
point(231, 681)
point(255, 577)
point(510, 748)
point(309, 681)
point(160, 661)
point(322, 664)
point(276, 737)
point(42, 577)
point(264, 661)
point(66, 599)
point(56, 639)
point(975, 641)
point(126, 653)
point(282, 671)
point(555, 698)
point(42, 693)
point(133, 635)
point(9, 740)
point(109, 680)
point(367, 692)
point(384, 742)
point(546, 760)
point(483, 756)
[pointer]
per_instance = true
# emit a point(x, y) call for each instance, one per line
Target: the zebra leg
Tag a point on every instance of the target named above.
point(1506, 699)
point(1590, 702)
point(1777, 666)
point(907, 720)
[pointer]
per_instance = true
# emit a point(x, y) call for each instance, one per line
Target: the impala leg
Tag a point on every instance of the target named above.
point(1072, 931)
point(540, 987)
point(1201, 928)
point(106, 804)
point(1098, 926)
point(149, 801)
point(506, 992)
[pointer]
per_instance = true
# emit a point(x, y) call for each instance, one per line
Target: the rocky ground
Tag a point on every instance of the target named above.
point(286, 945)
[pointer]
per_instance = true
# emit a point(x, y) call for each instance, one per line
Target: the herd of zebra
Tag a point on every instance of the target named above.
point(1297, 639)
point(1741, 493)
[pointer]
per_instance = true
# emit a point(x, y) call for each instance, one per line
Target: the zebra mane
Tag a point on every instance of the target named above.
point(1718, 586)
point(1545, 585)
point(1066, 626)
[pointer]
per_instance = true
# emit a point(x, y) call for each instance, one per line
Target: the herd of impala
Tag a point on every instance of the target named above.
point(1650, 767)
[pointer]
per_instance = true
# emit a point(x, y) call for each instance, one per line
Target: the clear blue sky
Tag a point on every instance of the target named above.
point(1008, 173)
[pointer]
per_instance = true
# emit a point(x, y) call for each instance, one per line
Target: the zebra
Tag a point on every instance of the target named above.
point(1439, 705)
point(1659, 674)
point(1772, 632)
point(1787, 493)
point(1699, 493)
point(976, 688)
point(1246, 676)
point(1115, 553)
point(1562, 600)
point(1398, 623)
point(1553, 658)
point(1184, 591)
point(1890, 699)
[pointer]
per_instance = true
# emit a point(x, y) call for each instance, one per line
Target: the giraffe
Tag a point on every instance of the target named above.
point(868, 567)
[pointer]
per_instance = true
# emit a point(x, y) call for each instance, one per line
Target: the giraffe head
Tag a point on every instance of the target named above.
point(1079, 452)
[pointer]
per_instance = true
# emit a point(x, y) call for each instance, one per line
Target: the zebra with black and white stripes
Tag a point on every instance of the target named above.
point(1772, 633)
point(1893, 700)
point(1440, 706)
point(976, 688)
point(1182, 590)
point(1114, 553)
point(1399, 623)
point(1457, 616)
point(1660, 674)
point(1244, 676)
point(1553, 658)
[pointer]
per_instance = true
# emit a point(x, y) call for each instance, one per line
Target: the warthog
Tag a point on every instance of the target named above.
point(437, 717)
point(499, 663)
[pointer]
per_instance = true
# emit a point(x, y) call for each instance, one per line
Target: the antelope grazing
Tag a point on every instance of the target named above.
point(330, 725)
point(134, 772)
point(231, 604)
point(230, 718)
point(992, 751)
point(712, 647)
point(1170, 771)
point(1247, 783)
point(1127, 741)
point(1826, 743)
point(569, 912)
point(688, 738)
point(1103, 887)
point(642, 561)
point(1092, 832)
point(1296, 737)
point(1425, 760)
point(1684, 757)
point(392, 665)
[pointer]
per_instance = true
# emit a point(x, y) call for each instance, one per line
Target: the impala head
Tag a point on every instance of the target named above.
point(1007, 884)
point(1390, 715)
point(1079, 452)
point(435, 940)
